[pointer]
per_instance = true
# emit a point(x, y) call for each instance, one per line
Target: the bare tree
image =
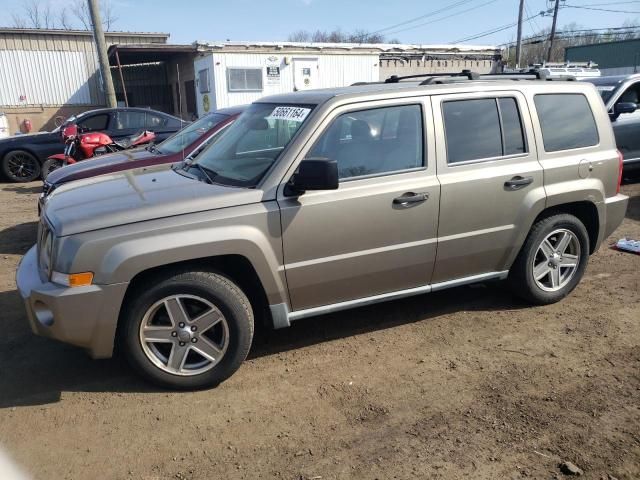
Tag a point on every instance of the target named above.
point(63, 19)
point(80, 10)
point(337, 36)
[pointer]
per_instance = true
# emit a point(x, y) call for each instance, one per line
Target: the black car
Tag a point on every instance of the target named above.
point(621, 95)
point(22, 155)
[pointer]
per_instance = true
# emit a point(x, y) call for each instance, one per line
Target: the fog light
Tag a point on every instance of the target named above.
point(72, 279)
point(43, 314)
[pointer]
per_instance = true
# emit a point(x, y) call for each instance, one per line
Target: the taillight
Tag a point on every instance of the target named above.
point(620, 165)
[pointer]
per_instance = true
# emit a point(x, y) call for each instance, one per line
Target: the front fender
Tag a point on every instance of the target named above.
point(117, 255)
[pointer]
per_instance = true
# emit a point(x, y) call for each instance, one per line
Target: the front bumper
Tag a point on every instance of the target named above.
point(615, 210)
point(83, 316)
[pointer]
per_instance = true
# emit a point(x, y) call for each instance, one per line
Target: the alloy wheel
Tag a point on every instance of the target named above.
point(184, 335)
point(556, 260)
point(21, 166)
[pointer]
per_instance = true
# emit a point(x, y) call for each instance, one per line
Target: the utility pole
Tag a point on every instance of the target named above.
point(519, 40)
point(101, 47)
point(553, 29)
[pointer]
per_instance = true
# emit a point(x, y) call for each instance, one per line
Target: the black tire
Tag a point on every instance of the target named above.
point(49, 166)
point(521, 277)
point(19, 166)
point(212, 287)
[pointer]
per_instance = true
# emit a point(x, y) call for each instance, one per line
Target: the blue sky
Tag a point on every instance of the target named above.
point(265, 20)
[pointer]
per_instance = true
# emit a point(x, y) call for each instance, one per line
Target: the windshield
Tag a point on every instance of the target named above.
point(606, 86)
point(185, 137)
point(251, 144)
point(606, 91)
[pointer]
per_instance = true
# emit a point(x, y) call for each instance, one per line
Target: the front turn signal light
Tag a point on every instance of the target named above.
point(73, 279)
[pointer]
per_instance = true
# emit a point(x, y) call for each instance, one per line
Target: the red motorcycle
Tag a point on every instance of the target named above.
point(81, 146)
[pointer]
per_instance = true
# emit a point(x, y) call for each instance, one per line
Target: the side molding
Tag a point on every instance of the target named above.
point(283, 318)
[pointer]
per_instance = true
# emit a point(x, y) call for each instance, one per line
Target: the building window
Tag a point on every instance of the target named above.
point(203, 81)
point(244, 79)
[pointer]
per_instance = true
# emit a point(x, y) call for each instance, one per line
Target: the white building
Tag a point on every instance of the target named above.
point(236, 73)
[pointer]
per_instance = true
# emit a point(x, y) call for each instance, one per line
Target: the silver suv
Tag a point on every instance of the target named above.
point(319, 201)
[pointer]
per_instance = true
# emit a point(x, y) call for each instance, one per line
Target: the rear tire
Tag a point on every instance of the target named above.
point(552, 260)
point(187, 330)
point(19, 166)
point(49, 166)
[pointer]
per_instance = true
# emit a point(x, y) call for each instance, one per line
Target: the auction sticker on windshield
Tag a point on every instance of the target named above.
point(296, 114)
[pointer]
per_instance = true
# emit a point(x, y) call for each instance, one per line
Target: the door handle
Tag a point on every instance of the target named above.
point(518, 182)
point(410, 198)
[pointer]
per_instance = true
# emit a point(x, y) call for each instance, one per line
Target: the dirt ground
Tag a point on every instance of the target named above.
point(466, 383)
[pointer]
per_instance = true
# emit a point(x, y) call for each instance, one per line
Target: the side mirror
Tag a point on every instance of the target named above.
point(314, 174)
point(624, 107)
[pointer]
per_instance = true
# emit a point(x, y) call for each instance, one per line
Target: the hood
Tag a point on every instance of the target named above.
point(27, 136)
point(135, 196)
point(97, 165)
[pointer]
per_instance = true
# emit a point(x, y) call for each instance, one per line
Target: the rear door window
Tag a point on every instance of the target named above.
point(155, 121)
point(483, 129)
point(95, 123)
point(566, 121)
point(129, 120)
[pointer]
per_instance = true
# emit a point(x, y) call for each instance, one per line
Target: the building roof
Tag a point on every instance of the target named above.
point(61, 31)
point(344, 47)
point(133, 54)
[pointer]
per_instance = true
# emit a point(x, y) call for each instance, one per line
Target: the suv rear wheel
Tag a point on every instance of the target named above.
point(552, 260)
point(188, 330)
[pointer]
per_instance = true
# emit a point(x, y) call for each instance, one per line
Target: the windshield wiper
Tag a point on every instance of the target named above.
point(205, 171)
point(153, 149)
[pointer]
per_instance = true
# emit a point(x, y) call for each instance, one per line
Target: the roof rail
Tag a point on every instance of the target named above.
point(464, 75)
point(430, 76)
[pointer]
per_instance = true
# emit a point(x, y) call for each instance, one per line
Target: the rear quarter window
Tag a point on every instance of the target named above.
point(566, 120)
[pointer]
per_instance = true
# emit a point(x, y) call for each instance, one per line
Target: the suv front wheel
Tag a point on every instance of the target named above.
point(187, 330)
point(552, 260)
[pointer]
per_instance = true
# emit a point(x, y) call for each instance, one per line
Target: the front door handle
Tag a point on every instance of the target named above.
point(518, 182)
point(410, 198)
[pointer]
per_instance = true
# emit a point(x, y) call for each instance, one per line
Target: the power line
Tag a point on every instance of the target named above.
point(597, 31)
point(599, 9)
point(441, 18)
point(609, 3)
point(415, 19)
point(533, 20)
point(495, 30)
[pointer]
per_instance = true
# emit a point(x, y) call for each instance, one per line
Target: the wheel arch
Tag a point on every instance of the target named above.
point(585, 211)
point(236, 267)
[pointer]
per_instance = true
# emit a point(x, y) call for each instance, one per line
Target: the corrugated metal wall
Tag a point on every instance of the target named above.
point(607, 55)
point(52, 43)
point(334, 70)
point(43, 78)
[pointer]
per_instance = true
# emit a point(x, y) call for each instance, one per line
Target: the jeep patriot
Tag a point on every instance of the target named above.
point(323, 200)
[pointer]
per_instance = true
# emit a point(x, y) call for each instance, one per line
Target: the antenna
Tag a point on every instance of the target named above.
point(180, 108)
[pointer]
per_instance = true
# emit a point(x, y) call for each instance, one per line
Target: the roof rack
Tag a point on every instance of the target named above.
point(431, 77)
point(466, 75)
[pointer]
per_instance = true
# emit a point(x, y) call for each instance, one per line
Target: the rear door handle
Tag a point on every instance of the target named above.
point(410, 198)
point(518, 182)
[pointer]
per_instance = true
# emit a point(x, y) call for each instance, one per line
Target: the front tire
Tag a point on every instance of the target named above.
point(49, 166)
point(19, 166)
point(552, 260)
point(187, 330)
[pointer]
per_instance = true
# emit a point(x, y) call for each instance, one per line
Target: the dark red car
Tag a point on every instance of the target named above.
point(176, 148)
